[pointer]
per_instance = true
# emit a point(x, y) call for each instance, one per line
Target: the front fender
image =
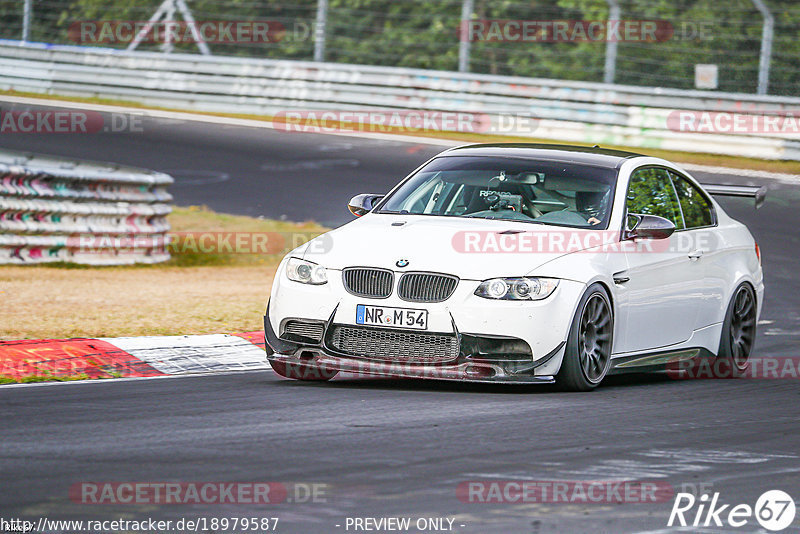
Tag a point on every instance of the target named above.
point(587, 267)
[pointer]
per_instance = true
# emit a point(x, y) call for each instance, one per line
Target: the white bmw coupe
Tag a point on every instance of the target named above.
point(523, 263)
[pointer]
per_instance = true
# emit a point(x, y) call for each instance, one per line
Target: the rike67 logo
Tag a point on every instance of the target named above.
point(774, 510)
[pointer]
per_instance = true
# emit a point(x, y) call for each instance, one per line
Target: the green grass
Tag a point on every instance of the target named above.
point(45, 377)
point(201, 220)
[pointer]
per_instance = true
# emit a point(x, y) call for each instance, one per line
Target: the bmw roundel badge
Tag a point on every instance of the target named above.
point(402, 263)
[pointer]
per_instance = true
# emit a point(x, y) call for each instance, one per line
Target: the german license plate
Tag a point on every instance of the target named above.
point(394, 317)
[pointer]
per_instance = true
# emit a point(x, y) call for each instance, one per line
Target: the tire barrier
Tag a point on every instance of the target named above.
point(685, 120)
point(54, 210)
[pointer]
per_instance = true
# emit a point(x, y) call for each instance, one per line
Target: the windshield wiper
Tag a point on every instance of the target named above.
point(527, 221)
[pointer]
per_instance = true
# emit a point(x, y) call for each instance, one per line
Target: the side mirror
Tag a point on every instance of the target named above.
point(650, 227)
point(362, 204)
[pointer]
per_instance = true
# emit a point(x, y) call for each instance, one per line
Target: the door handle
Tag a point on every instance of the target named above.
point(696, 255)
point(621, 278)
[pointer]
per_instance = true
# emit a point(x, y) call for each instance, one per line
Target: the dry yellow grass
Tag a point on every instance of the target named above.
point(194, 293)
point(47, 302)
point(198, 220)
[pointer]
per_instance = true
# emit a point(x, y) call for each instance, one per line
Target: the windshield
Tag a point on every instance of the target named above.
point(544, 192)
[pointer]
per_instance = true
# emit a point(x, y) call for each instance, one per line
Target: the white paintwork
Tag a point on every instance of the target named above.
point(671, 302)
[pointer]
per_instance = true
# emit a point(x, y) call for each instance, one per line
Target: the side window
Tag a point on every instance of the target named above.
point(650, 192)
point(697, 211)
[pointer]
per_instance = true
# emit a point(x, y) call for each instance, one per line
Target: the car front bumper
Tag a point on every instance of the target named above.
point(490, 333)
point(475, 362)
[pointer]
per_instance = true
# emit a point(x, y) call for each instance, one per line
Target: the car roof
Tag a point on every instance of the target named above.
point(594, 155)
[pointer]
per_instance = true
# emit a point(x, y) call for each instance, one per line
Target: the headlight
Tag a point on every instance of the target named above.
point(517, 288)
point(306, 272)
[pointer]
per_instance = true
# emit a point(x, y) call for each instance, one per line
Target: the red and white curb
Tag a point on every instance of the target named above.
point(133, 356)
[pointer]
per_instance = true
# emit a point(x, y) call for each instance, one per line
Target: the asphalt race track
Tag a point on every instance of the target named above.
point(247, 171)
point(396, 448)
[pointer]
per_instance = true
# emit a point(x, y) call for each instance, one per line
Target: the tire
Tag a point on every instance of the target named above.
point(587, 357)
point(738, 334)
point(304, 372)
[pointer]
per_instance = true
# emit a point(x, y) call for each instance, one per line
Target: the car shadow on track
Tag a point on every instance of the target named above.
point(410, 384)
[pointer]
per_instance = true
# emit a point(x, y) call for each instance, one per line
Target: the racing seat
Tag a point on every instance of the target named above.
point(590, 203)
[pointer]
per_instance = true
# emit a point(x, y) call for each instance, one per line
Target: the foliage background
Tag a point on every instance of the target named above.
point(424, 34)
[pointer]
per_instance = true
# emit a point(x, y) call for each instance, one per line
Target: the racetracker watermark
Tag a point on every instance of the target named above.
point(61, 366)
point(730, 122)
point(246, 242)
point(59, 121)
point(149, 493)
point(402, 121)
point(94, 32)
point(566, 31)
point(203, 242)
point(761, 368)
point(568, 241)
point(314, 370)
point(564, 491)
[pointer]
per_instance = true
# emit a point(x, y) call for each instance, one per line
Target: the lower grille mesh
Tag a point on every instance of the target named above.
point(303, 331)
point(394, 345)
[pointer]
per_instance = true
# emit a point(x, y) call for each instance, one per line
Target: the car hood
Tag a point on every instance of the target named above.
point(472, 249)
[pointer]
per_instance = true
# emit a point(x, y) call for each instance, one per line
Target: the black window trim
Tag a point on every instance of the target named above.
point(706, 197)
point(715, 221)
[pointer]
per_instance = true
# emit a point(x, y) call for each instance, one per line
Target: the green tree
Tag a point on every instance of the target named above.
point(425, 34)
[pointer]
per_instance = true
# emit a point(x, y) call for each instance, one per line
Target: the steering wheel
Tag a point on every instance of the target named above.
point(492, 200)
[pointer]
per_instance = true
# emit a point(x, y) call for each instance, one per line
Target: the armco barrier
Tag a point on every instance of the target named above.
point(569, 111)
point(62, 210)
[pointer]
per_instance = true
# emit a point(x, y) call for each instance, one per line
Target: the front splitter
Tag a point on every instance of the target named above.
point(482, 372)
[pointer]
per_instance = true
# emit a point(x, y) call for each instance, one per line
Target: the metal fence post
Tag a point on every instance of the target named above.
point(167, 11)
point(26, 20)
point(321, 31)
point(766, 47)
point(189, 18)
point(465, 45)
point(610, 69)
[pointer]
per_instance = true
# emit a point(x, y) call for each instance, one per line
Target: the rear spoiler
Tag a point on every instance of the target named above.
point(756, 192)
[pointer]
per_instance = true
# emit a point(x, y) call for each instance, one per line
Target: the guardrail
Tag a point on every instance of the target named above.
point(56, 210)
point(563, 110)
